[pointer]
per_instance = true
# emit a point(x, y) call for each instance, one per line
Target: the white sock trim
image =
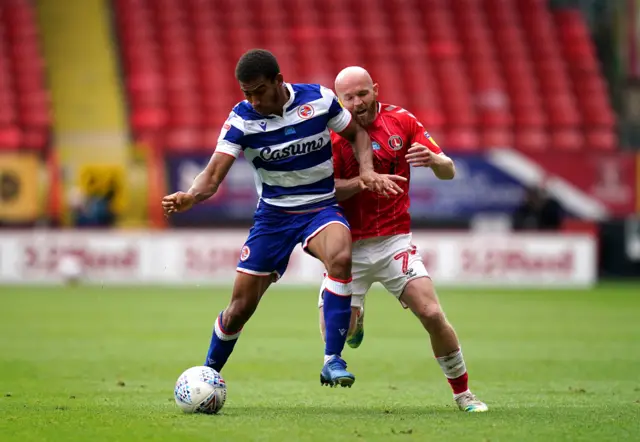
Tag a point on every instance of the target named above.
point(337, 287)
point(221, 334)
point(327, 358)
point(456, 396)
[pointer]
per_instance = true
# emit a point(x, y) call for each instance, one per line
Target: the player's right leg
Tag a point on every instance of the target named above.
point(420, 297)
point(406, 277)
point(263, 259)
point(247, 291)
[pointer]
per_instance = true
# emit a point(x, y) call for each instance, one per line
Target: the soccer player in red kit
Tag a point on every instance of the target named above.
point(380, 226)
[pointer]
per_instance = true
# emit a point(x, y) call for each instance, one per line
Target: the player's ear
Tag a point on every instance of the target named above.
point(279, 79)
point(375, 90)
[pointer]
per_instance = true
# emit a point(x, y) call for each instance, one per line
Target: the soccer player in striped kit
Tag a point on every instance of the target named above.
point(381, 227)
point(283, 131)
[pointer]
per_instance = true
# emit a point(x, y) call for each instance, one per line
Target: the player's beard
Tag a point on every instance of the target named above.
point(364, 119)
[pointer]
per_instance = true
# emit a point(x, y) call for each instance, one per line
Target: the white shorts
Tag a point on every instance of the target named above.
point(390, 260)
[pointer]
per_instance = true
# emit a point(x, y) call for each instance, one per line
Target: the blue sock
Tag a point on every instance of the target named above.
point(221, 346)
point(337, 315)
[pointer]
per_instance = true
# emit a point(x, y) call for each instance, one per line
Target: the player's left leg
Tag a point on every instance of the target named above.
point(360, 284)
point(328, 238)
point(420, 297)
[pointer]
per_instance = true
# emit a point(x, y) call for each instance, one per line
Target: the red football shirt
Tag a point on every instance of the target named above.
point(392, 133)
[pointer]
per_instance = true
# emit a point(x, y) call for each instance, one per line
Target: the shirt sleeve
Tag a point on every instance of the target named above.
point(339, 117)
point(229, 141)
point(418, 134)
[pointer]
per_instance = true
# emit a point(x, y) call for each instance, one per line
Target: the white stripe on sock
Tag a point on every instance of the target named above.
point(222, 335)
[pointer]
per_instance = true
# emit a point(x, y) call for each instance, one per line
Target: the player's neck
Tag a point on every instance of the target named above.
point(285, 97)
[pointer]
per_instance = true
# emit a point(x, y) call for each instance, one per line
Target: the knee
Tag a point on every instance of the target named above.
point(339, 265)
point(432, 317)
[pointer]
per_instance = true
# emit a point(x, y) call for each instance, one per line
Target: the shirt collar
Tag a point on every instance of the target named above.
point(292, 96)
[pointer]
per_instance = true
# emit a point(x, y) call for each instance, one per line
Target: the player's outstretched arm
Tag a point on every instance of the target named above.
point(204, 186)
point(361, 143)
point(345, 189)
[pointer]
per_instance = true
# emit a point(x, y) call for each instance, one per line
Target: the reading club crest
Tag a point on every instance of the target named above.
point(306, 111)
point(244, 253)
point(395, 142)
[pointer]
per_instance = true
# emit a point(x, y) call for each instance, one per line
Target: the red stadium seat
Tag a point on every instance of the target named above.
point(10, 137)
point(463, 139)
point(602, 139)
point(567, 139)
point(501, 72)
point(183, 139)
point(146, 119)
point(530, 118)
point(533, 140)
point(497, 137)
point(24, 104)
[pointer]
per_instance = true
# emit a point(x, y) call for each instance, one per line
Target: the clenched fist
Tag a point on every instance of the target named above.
point(177, 202)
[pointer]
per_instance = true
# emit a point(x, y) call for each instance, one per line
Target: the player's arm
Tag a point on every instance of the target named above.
point(206, 184)
point(442, 166)
point(340, 122)
point(359, 139)
point(346, 188)
point(425, 152)
point(369, 179)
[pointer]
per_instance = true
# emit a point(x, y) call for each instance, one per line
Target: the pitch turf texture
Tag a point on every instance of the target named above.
point(99, 364)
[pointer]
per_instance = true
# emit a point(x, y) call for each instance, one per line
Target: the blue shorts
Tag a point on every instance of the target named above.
point(275, 234)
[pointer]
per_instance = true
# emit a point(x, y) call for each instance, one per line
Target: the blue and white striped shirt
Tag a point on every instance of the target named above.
point(291, 154)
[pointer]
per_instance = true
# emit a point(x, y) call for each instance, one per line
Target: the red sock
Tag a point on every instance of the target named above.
point(460, 384)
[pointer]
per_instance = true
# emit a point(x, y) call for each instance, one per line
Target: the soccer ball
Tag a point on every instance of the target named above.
point(200, 390)
point(70, 268)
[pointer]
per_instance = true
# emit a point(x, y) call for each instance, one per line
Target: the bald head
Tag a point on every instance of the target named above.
point(357, 93)
point(350, 76)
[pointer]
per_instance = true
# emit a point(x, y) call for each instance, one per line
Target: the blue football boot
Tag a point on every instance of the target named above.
point(335, 373)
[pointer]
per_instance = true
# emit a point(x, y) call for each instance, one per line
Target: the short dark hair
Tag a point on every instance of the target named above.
point(257, 63)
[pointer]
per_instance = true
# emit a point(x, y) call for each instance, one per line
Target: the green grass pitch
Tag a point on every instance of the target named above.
point(99, 364)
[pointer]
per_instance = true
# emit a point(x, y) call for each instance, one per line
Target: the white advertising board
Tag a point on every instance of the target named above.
point(210, 257)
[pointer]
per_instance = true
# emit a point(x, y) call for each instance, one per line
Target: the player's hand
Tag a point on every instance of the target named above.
point(420, 155)
point(382, 183)
point(177, 202)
